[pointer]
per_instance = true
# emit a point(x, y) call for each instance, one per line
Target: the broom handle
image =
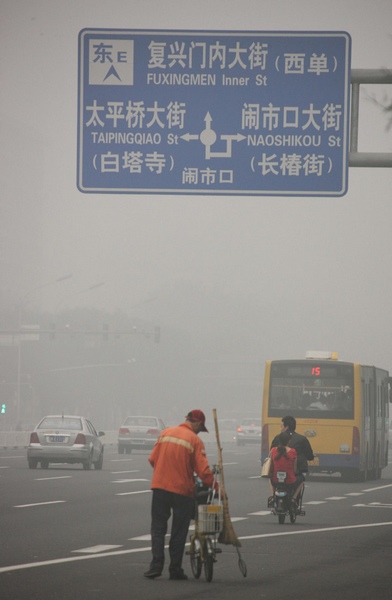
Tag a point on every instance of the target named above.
point(227, 535)
point(222, 479)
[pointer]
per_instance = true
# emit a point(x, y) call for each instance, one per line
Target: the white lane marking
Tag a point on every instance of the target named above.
point(8, 457)
point(336, 498)
point(374, 505)
point(39, 504)
point(128, 480)
point(382, 487)
point(148, 548)
point(355, 494)
point(121, 472)
point(323, 530)
point(233, 463)
point(70, 559)
point(255, 477)
point(49, 478)
point(147, 538)
point(316, 502)
point(5, 467)
point(130, 493)
point(95, 549)
point(144, 538)
point(261, 513)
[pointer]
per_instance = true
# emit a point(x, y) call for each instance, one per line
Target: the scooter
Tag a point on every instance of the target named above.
point(281, 504)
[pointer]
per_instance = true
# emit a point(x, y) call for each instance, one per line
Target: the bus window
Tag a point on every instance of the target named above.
point(325, 393)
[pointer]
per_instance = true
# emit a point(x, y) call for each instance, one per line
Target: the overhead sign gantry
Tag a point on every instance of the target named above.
point(213, 112)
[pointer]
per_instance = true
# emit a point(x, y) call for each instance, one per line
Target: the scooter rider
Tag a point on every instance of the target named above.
point(284, 459)
point(302, 446)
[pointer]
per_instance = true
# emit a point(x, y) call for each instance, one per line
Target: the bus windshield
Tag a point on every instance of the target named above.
point(311, 390)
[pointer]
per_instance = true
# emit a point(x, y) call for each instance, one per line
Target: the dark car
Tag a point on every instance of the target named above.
point(249, 432)
point(65, 439)
point(139, 432)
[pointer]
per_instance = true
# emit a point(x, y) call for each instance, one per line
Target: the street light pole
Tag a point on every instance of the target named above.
point(19, 346)
point(91, 287)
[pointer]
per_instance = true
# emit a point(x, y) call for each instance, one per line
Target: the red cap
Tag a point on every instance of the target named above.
point(197, 416)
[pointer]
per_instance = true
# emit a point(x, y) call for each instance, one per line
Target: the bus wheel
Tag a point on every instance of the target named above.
point(352, 475)
point(363, 475)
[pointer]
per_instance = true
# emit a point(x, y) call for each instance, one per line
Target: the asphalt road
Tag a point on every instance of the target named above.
point(69, 534)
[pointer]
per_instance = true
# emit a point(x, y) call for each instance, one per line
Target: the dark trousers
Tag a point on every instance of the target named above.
point(182, 507)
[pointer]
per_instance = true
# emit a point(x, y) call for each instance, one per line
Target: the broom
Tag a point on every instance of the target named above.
point(227, 535)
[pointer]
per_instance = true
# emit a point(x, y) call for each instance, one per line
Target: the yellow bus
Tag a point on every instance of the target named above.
point(342, 407)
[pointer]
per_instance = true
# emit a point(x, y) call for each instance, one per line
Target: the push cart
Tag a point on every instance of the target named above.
point(208, 524)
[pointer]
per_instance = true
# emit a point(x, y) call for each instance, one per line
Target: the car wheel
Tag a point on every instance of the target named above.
point(33, 463)
point(128, 449)
point(44, 464)
point(87, 463)
point(121, 449)
point(99, 463)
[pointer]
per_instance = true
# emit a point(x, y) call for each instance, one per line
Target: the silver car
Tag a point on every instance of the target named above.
point(139, 432)
point(249, 432)
point(65, 439)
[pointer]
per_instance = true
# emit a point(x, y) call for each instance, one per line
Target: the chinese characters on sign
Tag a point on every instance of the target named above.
point(261, 113)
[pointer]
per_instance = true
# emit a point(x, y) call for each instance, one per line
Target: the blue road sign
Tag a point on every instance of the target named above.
point(213, 112)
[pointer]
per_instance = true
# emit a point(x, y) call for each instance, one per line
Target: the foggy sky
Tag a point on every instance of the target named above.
point(286, 274)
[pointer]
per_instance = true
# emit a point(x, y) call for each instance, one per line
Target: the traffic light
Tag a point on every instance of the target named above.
point(3, 408)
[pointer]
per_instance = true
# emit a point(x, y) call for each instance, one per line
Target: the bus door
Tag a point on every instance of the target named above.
point(373, 433)
point(369, 409)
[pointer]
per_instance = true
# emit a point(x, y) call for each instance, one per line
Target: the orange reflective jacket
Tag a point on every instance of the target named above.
point(176, 456)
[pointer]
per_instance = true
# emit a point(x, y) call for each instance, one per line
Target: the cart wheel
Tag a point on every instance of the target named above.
point(243, 567)
point(196, 559)
point(208, 560)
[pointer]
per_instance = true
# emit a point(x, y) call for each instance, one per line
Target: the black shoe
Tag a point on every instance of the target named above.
point(153, 572)
point(179, 576)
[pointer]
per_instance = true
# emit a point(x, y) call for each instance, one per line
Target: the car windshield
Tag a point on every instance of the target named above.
point(141, 421)
point(60, 423)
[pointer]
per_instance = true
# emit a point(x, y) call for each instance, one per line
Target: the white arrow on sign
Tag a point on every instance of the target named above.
point(208, 138)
